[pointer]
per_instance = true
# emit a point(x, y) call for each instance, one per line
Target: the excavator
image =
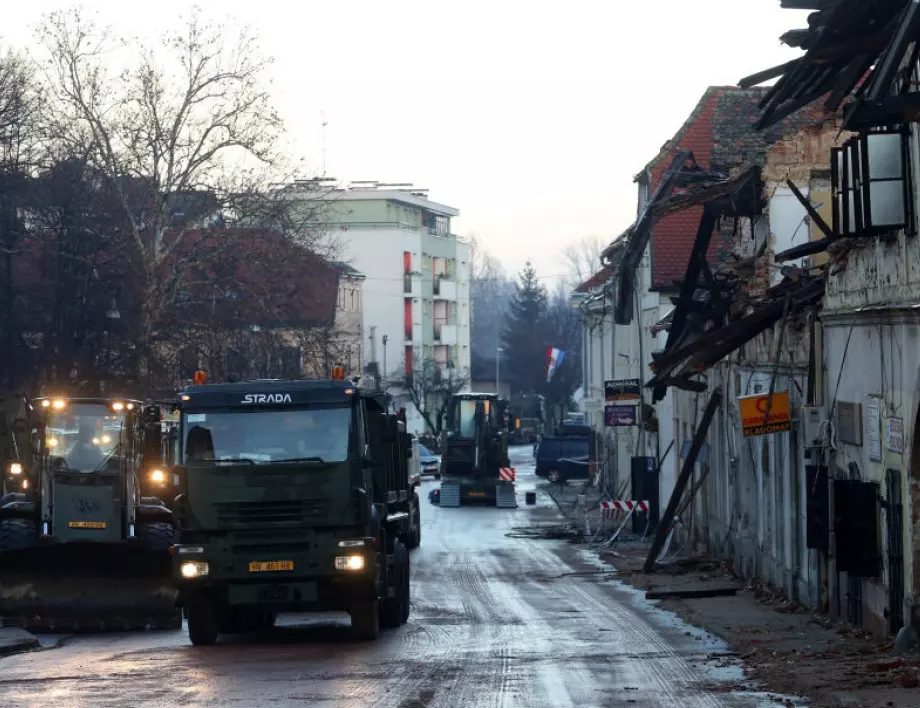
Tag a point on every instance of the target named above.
point(474, 462)
point(84, 541)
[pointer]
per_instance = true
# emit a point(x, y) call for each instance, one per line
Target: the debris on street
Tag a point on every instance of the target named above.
point(784, 647)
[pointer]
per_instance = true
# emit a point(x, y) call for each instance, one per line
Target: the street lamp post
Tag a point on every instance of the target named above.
point(498, 362)
point(384, 339)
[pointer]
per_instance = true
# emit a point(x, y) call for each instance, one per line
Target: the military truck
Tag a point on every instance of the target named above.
point(80, 545)
point(474, 461)
point(294, 497)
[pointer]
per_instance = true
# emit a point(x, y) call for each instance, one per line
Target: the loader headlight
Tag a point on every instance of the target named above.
point(158, 476)
point(352, 563)
point(16, 468)
point(194, 569)
point(59, 404)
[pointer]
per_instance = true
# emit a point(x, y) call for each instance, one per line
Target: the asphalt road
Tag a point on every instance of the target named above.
point(496, 621)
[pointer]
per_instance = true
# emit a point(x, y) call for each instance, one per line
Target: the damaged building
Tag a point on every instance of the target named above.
point(770, 288)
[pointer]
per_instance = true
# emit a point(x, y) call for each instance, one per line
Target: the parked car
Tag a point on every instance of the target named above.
point(561, 458)
point(430, 463)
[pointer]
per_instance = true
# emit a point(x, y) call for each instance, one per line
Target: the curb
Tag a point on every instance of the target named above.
point(14, 640)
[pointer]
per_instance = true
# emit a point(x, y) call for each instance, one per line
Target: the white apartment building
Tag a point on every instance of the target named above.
point(416, 291)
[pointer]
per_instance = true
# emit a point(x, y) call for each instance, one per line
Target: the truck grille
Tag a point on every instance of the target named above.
point(260, 513)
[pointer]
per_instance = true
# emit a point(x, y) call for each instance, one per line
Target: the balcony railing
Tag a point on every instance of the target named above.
point(386, 225)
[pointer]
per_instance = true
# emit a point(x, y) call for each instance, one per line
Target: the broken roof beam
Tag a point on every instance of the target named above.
point(639, 238)
point(845, 39)
point(707, 225)
point(803, 249)
point(739, 196)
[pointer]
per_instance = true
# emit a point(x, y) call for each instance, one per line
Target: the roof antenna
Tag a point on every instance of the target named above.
point(322, 116)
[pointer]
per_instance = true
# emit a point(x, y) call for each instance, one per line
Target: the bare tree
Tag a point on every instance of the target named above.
point(490, 293)
point(20, 107)
point(185, 137)
point(582, 259)
point(429, 388)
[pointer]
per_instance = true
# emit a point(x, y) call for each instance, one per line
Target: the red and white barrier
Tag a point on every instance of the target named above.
point(625, 505)
point(610, 508)
point(507, 474)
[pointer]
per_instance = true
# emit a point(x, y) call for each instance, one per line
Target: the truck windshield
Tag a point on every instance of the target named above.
point(82, 436)
point(267, 436)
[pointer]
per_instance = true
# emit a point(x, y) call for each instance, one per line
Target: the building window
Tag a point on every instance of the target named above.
point(871, 185)
point(407, 319)
point(440, 319)
point(408, 357)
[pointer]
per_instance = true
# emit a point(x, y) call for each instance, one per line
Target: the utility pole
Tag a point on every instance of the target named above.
point(641, 411)
point(384, 340)
point(498, 362)
point(373, 353)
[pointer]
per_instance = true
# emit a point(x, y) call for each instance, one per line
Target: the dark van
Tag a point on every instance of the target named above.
point(560, 458)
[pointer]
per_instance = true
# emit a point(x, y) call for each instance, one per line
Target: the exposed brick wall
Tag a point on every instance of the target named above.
point(720, 133)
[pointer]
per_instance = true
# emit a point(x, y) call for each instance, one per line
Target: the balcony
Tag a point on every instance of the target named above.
point(444, 289)
point(412, 285)
point(446, 334)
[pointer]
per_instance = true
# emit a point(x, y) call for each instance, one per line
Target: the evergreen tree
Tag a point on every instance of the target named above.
point(523, 336)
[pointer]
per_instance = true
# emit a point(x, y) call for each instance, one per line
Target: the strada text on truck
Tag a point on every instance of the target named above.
point(295, 496)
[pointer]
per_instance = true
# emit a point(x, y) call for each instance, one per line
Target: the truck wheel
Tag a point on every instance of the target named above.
point(202, 621)
point(406, 587)
point(392, 612)
point(554, 476)
point(16, 534)
point(365, 620)
point(415, 537)
point(156, 535)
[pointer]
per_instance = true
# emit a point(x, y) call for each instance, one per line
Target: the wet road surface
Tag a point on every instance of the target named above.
point(496, 621)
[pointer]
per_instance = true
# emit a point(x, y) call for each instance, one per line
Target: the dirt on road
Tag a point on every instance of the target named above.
point(784, 646)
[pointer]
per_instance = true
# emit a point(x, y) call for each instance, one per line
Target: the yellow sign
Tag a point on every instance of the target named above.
point(270, 566)
point(87, 524)
point(754, 408)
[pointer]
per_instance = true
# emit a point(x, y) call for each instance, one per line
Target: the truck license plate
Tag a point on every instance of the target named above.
point(477, 494)
point(270, 566)
point(86, 524)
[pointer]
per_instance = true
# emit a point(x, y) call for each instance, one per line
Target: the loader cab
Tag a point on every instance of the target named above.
point(85, 436)
point(466, 409)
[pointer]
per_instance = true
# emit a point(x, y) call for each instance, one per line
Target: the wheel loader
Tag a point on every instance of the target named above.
point(474, 463)
point(84, 544)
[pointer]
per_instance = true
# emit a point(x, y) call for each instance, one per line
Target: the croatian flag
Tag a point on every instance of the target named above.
point(554, 359)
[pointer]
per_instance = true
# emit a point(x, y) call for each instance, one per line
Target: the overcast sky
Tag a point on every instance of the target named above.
point(531, 118)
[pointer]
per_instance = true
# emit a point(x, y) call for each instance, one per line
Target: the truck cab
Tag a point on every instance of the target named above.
point(294, 497)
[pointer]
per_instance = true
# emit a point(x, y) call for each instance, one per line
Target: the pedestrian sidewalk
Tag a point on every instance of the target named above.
point(784, 646)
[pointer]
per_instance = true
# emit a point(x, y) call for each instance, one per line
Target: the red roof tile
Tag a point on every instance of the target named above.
point(673, 236)
point(595, 280)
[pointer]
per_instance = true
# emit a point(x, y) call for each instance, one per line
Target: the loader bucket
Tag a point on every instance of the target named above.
point(88, 586)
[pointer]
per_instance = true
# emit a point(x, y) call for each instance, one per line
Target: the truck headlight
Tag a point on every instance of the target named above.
point(16, 468)
point(352, 563)
point(158, 476)
point(194, 569)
